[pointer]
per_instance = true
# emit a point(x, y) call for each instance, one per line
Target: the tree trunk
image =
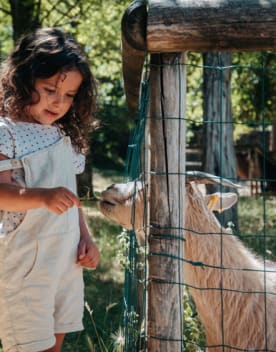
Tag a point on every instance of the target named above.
point(25, 16)
point(219, 155)
point(273, 139)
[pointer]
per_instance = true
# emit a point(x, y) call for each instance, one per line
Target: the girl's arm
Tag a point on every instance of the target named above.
point(17, 198)
point(88, 253)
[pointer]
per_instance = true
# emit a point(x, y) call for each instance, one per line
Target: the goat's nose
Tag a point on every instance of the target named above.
point(111, 186)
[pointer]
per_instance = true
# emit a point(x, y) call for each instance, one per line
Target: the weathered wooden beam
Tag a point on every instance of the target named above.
point(133, 51)
point(192, 25)
point(211, 25)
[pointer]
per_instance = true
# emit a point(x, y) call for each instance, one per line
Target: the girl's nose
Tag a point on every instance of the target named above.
point(58, 99)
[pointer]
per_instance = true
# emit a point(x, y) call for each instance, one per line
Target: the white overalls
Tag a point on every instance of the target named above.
point(41, 286)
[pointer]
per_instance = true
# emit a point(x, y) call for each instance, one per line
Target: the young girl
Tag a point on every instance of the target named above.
point(47, 100)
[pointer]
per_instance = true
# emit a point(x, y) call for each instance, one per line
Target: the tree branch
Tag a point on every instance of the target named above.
point(7, 12)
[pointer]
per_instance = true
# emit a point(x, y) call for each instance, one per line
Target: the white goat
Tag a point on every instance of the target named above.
point(234, 292)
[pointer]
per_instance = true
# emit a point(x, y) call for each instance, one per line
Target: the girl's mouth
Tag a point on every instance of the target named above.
point(51, 113)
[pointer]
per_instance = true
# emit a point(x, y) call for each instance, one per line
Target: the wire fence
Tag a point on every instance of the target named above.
point(229, 295)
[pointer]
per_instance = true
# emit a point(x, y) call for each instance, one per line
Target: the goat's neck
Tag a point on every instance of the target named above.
point(217, 285)
point(209, 243)
point(215, 246)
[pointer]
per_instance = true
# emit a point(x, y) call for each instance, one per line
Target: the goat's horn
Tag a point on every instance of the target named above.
point(204, 177)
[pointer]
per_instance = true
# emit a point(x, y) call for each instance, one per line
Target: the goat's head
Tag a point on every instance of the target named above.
point(124, 203)
point(118, 200)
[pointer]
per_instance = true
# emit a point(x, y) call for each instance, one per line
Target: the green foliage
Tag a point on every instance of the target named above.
point(194, 87)
point(253, 90)
point(109, 142)
point(97, 27)
point(194, 338)
point(254, 87)
point(194, 103)
point(99, 32)
point(258, 224)
point(6, 42)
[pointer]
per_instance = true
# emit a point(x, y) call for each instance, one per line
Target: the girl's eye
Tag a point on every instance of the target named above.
point(49, 91)
point(72, 96)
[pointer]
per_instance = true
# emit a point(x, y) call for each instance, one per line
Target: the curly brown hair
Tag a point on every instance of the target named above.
point(41, 54)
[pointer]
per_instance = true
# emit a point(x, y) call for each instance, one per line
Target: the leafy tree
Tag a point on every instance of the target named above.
point(254, 91)
point(6, 42)
point(100, 34)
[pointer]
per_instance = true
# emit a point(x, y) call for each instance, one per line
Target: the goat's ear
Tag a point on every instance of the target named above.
point(220, 201)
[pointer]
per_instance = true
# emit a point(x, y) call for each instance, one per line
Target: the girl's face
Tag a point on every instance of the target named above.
point(56, 95)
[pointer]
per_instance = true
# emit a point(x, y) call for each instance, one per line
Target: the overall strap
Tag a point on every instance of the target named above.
point(10, 164)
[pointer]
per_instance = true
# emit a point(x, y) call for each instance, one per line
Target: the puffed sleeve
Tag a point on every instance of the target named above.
point(79, 162)
point(6, 142)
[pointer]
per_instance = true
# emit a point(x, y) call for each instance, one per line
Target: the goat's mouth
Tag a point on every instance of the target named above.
point(106, 207)
point(106, 202)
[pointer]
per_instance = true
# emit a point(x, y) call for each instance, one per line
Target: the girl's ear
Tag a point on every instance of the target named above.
point(220, 201)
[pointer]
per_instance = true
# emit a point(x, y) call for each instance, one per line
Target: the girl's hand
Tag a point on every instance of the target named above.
point(58, 200)
point(15, 198)
point(88, 253)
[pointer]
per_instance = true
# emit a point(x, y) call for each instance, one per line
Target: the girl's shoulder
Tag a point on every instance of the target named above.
point(23, 129)
point(25, 137)
point(6, 137)
point(18, 138)
point(5, 122)
point(6, 127)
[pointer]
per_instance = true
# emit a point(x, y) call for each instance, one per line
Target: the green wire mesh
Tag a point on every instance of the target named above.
point(253, 98)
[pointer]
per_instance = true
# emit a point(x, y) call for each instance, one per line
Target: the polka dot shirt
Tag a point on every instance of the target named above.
point(18, 139)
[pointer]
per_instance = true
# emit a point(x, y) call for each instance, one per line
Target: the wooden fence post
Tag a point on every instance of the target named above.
point(167, 196)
